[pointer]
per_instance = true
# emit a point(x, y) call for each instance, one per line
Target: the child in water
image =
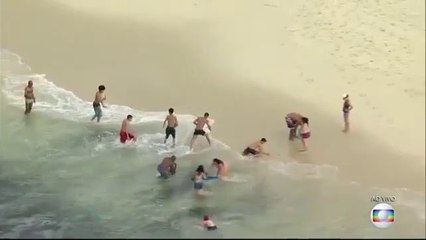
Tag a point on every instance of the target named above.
point(198, 178)
point(208, 223)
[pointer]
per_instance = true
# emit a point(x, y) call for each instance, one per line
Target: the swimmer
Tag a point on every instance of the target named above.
point(198, 178)
point(305, 133)
point(256, 148)
point(167, 167)
point(100, 97)
point(29, 97)
point(125, 133)
point(200, 122)
point(293, 121)
point(347, 107)
point(172, 123)
point(222, 168)
point(208, 223)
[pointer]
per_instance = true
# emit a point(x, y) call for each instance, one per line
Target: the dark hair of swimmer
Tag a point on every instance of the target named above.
point(218, 161)
point(200, 169)
point(173, 157)
point(206, 114)
point(129, 117)
point(171, 110)
point(101, 88)
point(305, 120)
point(263, 140)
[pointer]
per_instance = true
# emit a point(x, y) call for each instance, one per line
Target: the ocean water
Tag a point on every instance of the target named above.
point(63, 176)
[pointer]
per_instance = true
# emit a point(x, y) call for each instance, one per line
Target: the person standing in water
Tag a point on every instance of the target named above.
point(256, 148)
point(125, 133)
point(293, 121)
point(172, 123)
point(200, 122)
point(29, 97)
point(305, 133)
point(100, 97)
point(347, 107)
point(167, 167)
point(198, 178)
point(222, 168)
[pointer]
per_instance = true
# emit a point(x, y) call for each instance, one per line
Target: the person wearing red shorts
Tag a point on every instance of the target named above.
point(125, 133)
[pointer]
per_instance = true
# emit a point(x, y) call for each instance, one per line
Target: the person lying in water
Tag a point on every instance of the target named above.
point(167, 167)
point(222, 168)
point(256, 148)
point(208, 223)
point(198, 178)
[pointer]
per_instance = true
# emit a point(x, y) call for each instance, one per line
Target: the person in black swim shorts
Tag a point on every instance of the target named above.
point(200, 122)
point(172, 123)
point(256, 148)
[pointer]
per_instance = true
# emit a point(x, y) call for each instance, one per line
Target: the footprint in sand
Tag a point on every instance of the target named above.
point(367, 103)
point(270, 5)
point(309, 80)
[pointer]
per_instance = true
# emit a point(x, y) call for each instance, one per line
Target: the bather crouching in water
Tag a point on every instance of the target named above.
point(222, 168)
point(167, 167)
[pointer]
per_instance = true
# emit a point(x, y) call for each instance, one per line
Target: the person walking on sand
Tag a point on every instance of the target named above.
point(29, 97)
point(200, 122)
point(347, 107)
point(305, 133)
point(256, 148)
point(125, 133)
point(293, 120)
point(172, 123)
point(100, 97)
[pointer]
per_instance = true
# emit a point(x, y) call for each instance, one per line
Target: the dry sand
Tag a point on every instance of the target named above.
point(249, 63)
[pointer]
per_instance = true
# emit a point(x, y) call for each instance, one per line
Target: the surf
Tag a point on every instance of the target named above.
point(76, 173)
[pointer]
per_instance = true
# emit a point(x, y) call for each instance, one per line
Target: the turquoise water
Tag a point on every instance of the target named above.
point(62, 176)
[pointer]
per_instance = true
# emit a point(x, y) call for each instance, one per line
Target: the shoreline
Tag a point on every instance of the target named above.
point(251, 112)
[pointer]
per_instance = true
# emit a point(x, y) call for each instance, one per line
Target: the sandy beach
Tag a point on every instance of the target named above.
point(248, 78)
point(248, 63)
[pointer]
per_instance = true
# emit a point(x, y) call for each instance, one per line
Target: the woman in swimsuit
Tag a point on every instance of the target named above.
point(305, 133)
point(347, 107)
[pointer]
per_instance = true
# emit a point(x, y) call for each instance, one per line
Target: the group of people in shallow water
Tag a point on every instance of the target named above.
point(297, 123)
